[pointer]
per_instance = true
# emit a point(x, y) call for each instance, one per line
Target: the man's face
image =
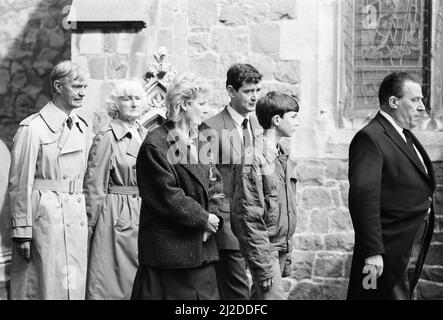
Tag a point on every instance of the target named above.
point(73, 92)
point(410, 107)
point(245, 98)
point(288, 124)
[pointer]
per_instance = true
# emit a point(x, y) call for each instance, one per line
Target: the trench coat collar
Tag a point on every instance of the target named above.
point(53, 116)
point(120, 131)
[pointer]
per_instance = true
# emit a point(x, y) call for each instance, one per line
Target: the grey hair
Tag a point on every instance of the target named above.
point(65, 71)
point(126, 87)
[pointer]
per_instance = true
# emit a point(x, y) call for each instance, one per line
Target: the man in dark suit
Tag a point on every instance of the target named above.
point(391, 196)
point(232, 131)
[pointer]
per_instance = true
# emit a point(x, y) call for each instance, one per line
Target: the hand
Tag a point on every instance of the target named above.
point(376, 262)
point(212, 225)
point(265, 284)
point(206, 235)
point(24, 249)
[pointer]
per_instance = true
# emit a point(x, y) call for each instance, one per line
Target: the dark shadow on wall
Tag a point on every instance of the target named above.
point(27, 59)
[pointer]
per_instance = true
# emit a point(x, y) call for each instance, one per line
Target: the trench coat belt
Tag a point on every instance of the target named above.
point(71, 187)
point(124, 190)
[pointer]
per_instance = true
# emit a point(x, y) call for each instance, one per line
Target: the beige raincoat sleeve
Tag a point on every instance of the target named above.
point(21, 180)
point(247, 219)
point(97, 176)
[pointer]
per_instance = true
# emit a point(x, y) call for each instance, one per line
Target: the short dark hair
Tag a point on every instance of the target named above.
point(392, 85)
point(242, 72)
point(274, 103)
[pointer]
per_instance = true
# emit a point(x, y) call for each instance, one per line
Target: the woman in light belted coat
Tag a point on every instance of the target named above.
point(112, 198)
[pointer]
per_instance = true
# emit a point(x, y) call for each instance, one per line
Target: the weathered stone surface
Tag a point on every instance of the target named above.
point(337, 170)
point(233, 15)
point(339, 242)
point(222, 40)
point(319, 221)
point(434, 273)
point(263, 39)
point(310, 173)
point(181, 25)
point(117, 66)
point(137, 66)
point(341, 220)
point(308, 290)
point(242, 46)
point(302, 265)
point(205, 66)
point(435, 256)
point(4, 80)
point(429, 291)
point(91, 43)
point(96, 67)
point(302, 221)
point(308, 242)
point(344, 190)
point(315, 198)
point(202, 13)
point(288, 71)
point(283, 9)
point(198, 42)
point(110, 41)
point(264, 64)
point(125, 42)
point(330, 268)
point(166, 39)
point(438, 200)
point(438, 170)
point(168, 8)
point(335, 194)
point(438, 237)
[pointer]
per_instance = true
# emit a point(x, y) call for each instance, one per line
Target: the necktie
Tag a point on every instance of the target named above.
point(409, 141)
point(246, 136)
point(69, 123)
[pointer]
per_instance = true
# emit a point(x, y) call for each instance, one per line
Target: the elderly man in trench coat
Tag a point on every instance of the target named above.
point(48, 215)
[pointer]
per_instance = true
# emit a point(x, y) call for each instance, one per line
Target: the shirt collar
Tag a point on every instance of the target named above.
point(121, 130)
point(392, 121)
point(55, 118)
point(237, 117)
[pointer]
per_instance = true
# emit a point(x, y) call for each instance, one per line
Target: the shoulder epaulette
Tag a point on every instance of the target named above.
point(26, 121)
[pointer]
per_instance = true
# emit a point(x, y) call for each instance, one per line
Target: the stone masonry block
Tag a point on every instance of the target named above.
point(202, 13)
point(233, 15)
point(91, 43)
point(429, 291)
point(205, 66)
point(339, 242)
point(315, 198)
point(283, 9)
point(96, 67)
point(341, 220)
point(330, 268)
point(222, 40)
point(435, 255)
point(311, 173)
point(337, 169)
point(302, 265)
point(319, 221)
point(432, 273)
point(308, 242)
point(288, 71)
point(265, 64)
point(264, 39)
point(198, 42)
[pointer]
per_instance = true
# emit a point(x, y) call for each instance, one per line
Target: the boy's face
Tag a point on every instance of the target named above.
point(245, 98)
point(287, 124)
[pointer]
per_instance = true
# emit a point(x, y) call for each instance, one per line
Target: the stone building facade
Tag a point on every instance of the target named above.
point(301, 47)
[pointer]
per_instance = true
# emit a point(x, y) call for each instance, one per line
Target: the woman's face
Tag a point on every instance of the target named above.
point(130, 105)
point(196, 108)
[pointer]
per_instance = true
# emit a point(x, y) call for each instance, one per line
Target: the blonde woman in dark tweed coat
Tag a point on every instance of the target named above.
point(177, 248)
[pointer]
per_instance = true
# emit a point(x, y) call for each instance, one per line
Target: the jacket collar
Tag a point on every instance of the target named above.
point(120, 131)
point(54, 117)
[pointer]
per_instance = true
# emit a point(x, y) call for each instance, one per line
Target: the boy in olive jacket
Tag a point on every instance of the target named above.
point(264, 211)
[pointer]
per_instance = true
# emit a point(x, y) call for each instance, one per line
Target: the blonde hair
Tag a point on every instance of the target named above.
point(125, 88)
point(65, 71)
point(182, 91)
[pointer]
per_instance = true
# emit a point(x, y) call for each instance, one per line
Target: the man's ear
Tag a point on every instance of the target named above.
point(57, 86)
point(231, 91)
point(275, 120)
point(393, 102)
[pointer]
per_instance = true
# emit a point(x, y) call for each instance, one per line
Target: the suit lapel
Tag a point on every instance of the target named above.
point(231, 131)
point(401, 144)
point(426, 159)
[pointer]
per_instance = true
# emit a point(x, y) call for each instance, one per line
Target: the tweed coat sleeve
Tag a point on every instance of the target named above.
point(160, 190)
point(365, 183)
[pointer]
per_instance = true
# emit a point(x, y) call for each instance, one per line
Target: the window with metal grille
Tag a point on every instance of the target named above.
point(380, 37)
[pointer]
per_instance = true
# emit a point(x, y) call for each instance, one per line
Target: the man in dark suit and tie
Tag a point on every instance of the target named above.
point(232, 132)
point(391, 192)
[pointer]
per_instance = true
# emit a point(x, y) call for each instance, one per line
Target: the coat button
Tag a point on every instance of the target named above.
point(66, 199)
point(68, 224)
point(79, 199)
point(82, 223)
point(430, 198)
point(65, 177)
point(134, 195)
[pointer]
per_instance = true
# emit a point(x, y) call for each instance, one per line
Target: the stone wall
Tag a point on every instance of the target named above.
point(32, 41)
